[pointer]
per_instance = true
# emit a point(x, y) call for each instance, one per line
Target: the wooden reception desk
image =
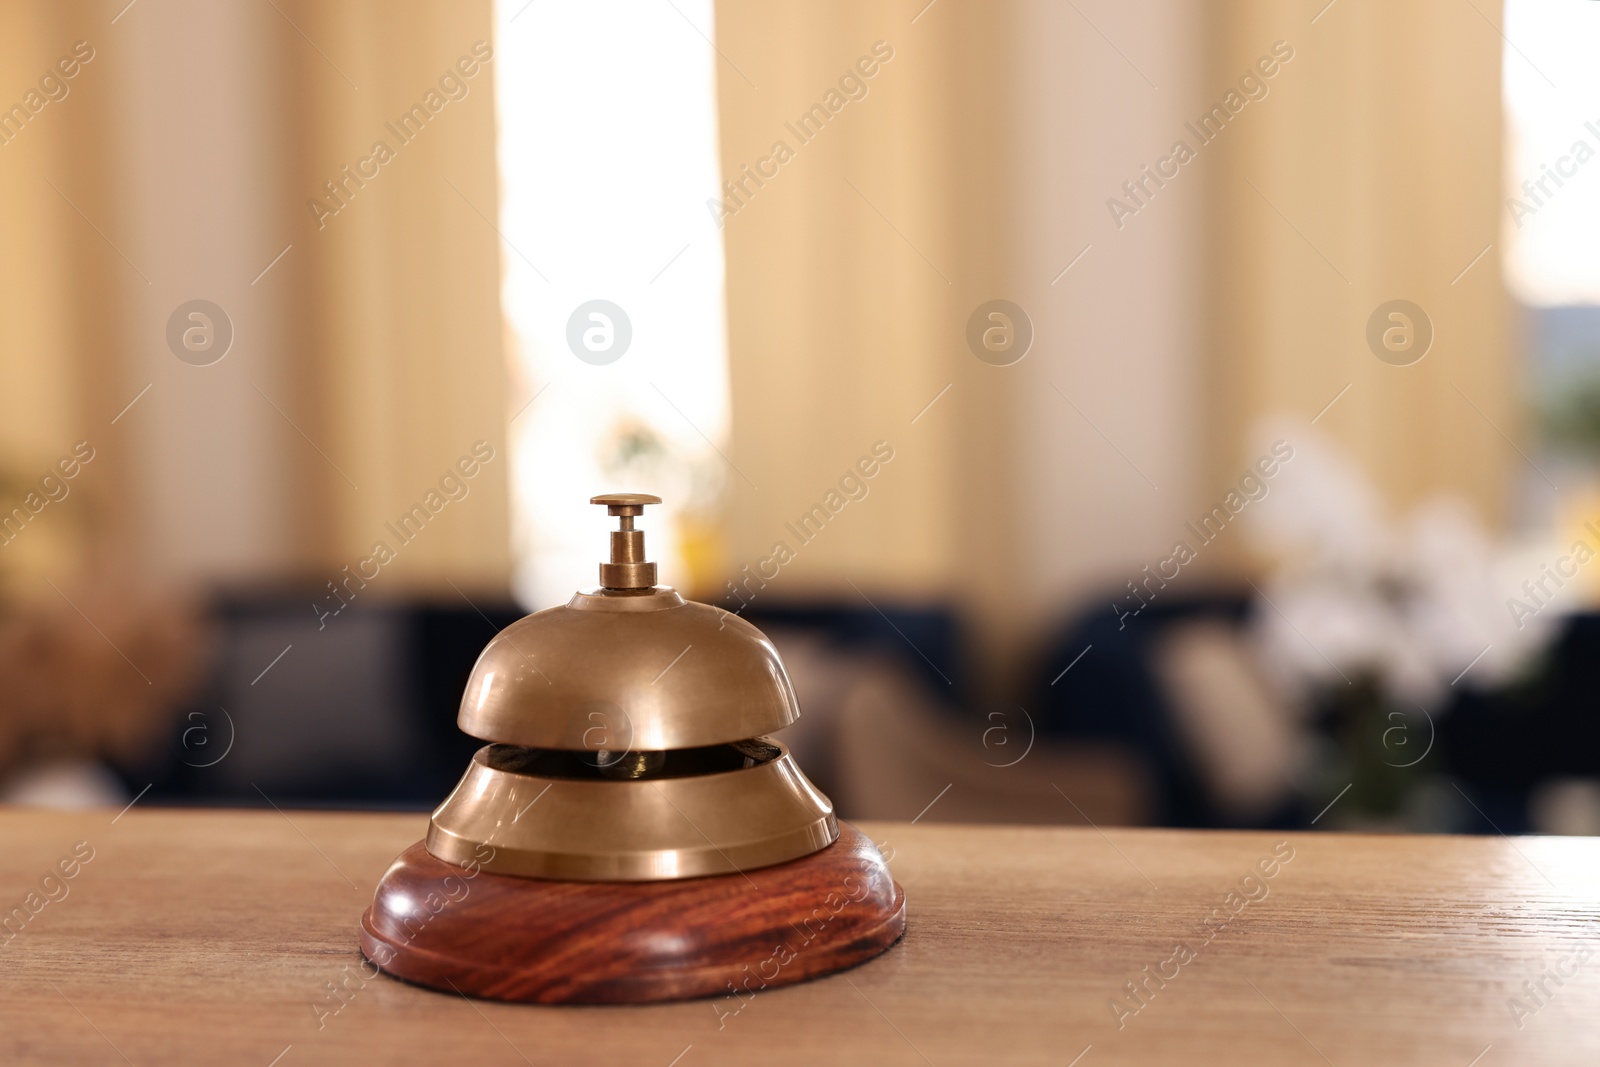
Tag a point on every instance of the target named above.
point(224, 937)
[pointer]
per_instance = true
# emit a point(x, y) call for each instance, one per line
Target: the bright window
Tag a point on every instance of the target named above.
point(608, 154)
point(1552, 216)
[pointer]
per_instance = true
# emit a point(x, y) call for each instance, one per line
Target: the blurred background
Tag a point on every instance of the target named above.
point(1132, 413)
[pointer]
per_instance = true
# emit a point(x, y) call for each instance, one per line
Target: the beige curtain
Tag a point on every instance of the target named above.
point(979, 165)
point(368, 356)
point(849, 277)
point(58, 295)
point(974, 168)
point(406, 323)
point(1372, 172)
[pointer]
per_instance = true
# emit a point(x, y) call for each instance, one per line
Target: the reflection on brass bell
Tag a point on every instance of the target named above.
point(630, 833)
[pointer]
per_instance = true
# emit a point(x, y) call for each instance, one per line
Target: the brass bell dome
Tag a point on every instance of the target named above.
point(687, 675)
point(627, 739)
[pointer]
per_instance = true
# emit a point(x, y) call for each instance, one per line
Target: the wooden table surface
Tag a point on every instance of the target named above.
point(214, 937)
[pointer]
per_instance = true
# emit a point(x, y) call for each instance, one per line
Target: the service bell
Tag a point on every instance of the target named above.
point(630, 832)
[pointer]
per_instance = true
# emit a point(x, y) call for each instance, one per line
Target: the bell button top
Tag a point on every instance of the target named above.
point(628, 568)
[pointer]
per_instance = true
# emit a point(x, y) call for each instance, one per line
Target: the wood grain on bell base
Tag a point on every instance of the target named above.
point(526, 939)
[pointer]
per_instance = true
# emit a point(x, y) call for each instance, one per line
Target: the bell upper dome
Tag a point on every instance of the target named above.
point(622, 670)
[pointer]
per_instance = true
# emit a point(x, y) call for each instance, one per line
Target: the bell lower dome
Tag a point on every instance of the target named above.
point(716, 810)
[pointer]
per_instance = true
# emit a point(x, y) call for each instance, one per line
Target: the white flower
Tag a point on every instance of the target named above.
point(1418, 607)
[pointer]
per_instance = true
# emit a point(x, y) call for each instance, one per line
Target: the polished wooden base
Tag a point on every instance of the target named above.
point(547, 942)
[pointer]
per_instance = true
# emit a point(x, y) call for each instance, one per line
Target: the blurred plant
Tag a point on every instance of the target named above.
point(1411, 604)
point(1376, 619)
point(634, 453)
point(109, 691)
point(1569, 414)
point(72, 689)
